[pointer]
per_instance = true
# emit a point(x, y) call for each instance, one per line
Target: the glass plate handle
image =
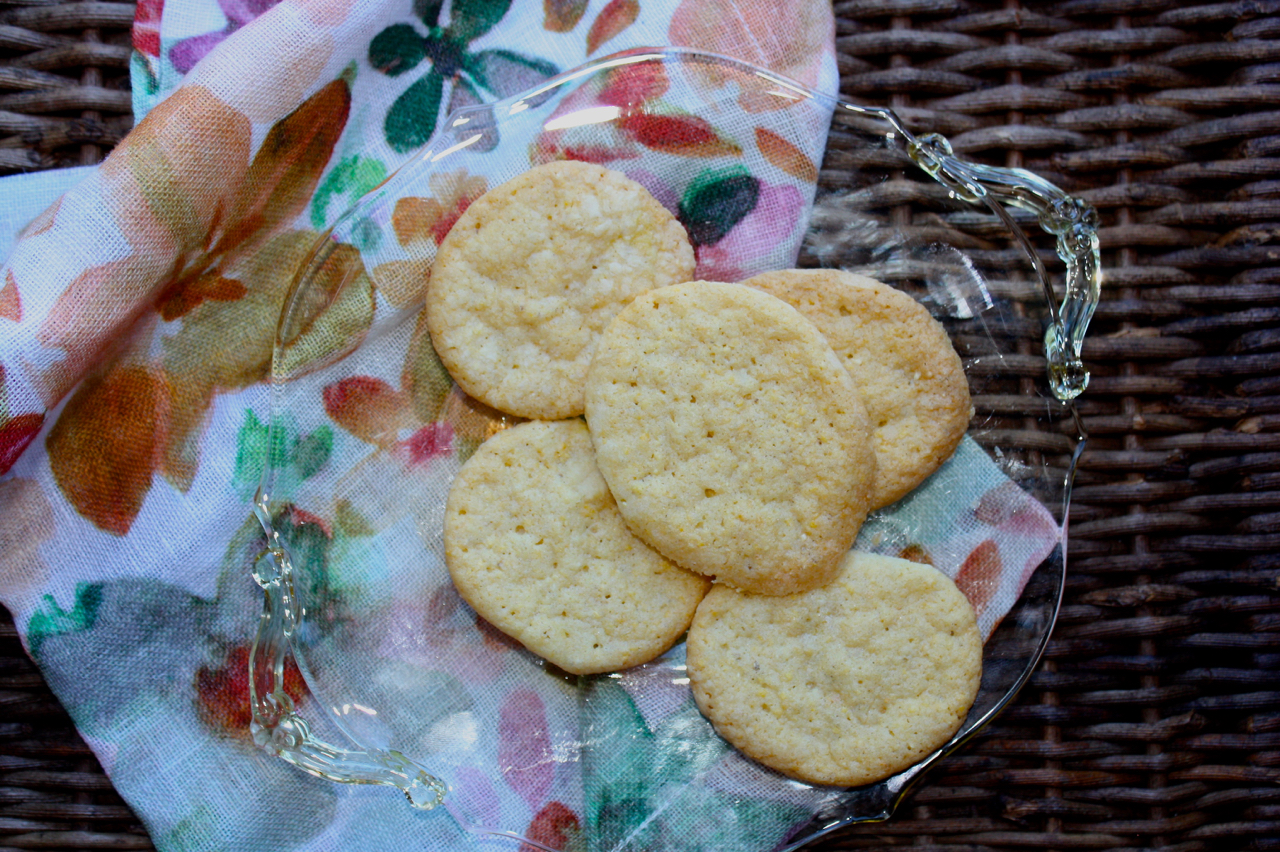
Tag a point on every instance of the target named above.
point(1073, 222)
point(279, 730)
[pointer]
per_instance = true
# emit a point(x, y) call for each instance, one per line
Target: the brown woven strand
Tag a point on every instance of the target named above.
point(1154, 721)
point(64, 82)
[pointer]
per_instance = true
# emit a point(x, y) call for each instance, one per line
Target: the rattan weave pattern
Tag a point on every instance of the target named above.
point(64, 82)
point(1154, 721)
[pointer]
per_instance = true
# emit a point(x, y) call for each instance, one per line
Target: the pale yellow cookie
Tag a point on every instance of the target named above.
point(847, 684)
point(908, 375)
point(731, 436)
point(534, 270)
point(535, 544)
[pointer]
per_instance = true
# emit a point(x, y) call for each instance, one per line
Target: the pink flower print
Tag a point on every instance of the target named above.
point(524, 746)
point(744, 250)
point(186, 53)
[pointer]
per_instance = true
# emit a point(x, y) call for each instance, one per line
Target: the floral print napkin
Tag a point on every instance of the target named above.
point(137, 316)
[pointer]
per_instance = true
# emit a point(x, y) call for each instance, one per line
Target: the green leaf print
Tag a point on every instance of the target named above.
point(124, 661)
point(470, 19)
point(428, 11)
point(645, 785)
point(256, 447)
point(715, 201)
point(632, 771)
point(618, 768)
point(397, 49)
point(294, 458)
point(713, 820)
point(120, 651)
point(352, 177)
point(412, 118)
point(140, 70)
point(52, 620)
point(312, 451)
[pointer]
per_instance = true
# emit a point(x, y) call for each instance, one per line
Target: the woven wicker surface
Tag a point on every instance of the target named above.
point(64, 82)
point(1154, 721)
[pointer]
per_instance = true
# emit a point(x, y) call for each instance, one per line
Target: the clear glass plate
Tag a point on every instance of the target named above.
point(403, 684)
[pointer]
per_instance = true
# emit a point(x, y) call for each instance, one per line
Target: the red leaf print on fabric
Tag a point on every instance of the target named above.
point(442, 604)
point(613, 19)
point(999, 504)
point(494, 639)
point(16, 434)
point(432, 218)
point(222, 692)
point(1008, 508)
point(146, 27)
point(524, 746)
point(368, 408)
point(546, 151)
point(434, 439)
point(553, 827)
point(300, 517)
point(421, 218)
point(10, 302)
point(632, 85)
point(979, 576)
point(685, 135)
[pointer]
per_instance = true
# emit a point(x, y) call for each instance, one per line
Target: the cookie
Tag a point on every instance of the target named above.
point(731, 436)
point(908, 375)
point(532, 272)
point(844, 685)
point(535, 544)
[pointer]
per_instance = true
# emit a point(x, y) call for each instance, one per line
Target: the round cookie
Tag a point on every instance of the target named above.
point(731, 437)
point(908, 375)
point(844, 685)
point(535, 544)
point(532, 272)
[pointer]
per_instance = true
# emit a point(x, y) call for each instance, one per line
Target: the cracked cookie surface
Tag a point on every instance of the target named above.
point(731, 436)
point(908, 374)
point(534, 543)
point(847, 684)
point(534, 270)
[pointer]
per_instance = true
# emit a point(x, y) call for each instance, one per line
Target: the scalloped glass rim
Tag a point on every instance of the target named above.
point(280, 729)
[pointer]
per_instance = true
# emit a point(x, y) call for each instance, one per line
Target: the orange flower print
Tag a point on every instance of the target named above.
point(198, 304)
point(423, 218)
point(420, 225)
point(418, 434)
point(427, 416)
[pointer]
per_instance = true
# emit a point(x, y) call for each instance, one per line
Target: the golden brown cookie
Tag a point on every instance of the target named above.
point(908, 375)
point(846, 684)
point(534, 270)
point(731, 436)
point(535, 544)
